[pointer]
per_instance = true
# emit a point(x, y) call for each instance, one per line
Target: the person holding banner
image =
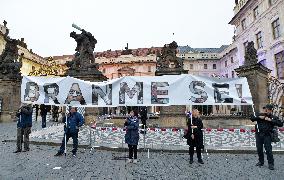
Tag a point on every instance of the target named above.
point(265, 124)
point(194, 135)
point(132, 135)
point(74, 121)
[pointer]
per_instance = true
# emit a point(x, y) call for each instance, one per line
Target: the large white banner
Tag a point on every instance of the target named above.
point(136, 91)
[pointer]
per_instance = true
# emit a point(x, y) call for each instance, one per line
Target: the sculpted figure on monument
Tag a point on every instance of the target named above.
point(84, 57)
point(9, 64)
point(250, 54)
point(168, 56)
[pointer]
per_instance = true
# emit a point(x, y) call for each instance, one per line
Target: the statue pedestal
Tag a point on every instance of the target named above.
point(10, 95)
point(172, 116)
point(93, 75)
point(257, 77)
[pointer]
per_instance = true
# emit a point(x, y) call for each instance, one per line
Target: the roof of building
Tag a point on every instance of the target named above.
point(239, 12)
point(187, 49)
point(135, 52)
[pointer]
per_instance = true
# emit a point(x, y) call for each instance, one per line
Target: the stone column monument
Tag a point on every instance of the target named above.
point(10, 80)
point(257, 76)
point(169, 64)
point(83, 65)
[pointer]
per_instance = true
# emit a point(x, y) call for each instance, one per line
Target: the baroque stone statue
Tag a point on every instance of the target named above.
point(10, 65)
point(250, 54)
point(168, 56)
point(84, 56)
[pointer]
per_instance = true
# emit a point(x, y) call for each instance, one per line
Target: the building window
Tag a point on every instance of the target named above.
point(149, 68)
point(256, 12)
point(279, 58)
point(33, 68)
point(226, 63)
point(232, 59)
point(244, 24)
point(276, 28)
point(214, 66)
point(259, 40)
point(104, 70)
point(226, 75)
point(205, 66)
point(191, 66)
point(233, 74)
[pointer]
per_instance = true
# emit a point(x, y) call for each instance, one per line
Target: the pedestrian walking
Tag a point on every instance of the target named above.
point(24, 126)
point(264, 127)
point(74, 121)
point(132, 135)
point(194, 136)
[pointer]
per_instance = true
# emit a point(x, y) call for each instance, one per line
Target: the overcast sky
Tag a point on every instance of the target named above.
point(46, 24)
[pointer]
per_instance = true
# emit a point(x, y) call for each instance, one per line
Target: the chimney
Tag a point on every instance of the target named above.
point(22, 39)
point(5, 23)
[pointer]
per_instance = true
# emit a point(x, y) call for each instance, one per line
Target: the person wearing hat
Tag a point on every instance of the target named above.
point(74, 121)
point(265, 124)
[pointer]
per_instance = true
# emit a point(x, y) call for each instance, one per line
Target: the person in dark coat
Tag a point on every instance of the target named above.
point(265, 124)
point(36, 111)
point(44, 109)
point(132, 135)
point(55, 113)
point(144, 117)
point(195, 136)
point(24, 126)
point(74, 121)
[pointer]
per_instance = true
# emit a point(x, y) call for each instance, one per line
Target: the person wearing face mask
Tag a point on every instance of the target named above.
point(132, 135)
point(195, 136)
point(74, 121)
point(265, 124)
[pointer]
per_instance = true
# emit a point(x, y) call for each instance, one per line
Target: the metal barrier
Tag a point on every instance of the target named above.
point(162, 138)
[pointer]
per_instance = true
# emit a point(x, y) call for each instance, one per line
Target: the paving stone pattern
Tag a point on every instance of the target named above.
point(39, 163)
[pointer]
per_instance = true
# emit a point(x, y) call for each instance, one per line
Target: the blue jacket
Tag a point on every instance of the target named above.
point(132, 133)
point(25, 117)
point(74, 121)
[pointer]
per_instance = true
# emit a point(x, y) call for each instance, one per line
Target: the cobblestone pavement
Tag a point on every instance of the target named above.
point(39, 163)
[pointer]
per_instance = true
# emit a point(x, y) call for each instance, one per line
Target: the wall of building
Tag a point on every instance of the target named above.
point(30, 61)
point(260, 23)
point(229, 62)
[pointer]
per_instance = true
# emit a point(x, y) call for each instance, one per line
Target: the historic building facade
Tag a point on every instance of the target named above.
point(262, 22)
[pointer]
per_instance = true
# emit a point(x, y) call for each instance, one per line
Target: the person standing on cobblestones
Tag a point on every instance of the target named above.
point(74, 121)
point(24, 127)
point(43, 112)
point(265, 124)
point(194, 136)
point(132, 135)
point(36, 107)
